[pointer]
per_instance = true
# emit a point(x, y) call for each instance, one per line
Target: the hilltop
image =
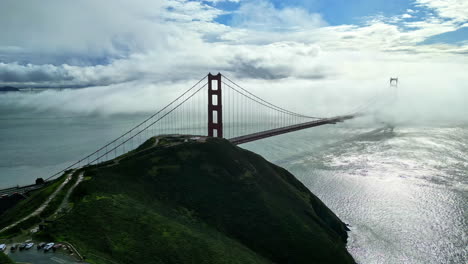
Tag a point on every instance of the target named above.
point(198, 202)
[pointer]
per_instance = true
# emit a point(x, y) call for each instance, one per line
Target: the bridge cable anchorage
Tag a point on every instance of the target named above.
point(273, 105)
point(128, 132)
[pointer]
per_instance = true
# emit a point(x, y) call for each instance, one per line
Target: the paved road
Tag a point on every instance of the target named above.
point(22, 190)
point(44, 205)
point(35, 256)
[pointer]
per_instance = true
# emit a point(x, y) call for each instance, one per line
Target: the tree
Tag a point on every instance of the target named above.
point(40, 181)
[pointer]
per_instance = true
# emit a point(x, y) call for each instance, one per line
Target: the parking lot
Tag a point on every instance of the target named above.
point(34, 256)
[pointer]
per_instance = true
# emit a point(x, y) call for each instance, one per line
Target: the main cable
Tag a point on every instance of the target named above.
point(273, 105)
point(129, 131)
point(266, 105)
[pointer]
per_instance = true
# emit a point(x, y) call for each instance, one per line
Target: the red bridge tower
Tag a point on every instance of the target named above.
point(215, 107)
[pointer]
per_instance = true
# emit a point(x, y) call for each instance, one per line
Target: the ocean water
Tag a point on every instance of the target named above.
point(403, 191)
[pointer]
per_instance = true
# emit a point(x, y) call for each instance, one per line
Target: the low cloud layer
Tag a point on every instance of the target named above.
point(153, 48)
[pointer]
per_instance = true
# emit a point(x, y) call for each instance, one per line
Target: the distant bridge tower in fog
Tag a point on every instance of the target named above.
point(394, 86)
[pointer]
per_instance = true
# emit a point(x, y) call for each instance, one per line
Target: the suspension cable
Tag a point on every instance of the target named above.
point(273, 105)
point(266, 105)
point(129, 131)
point(148, 126)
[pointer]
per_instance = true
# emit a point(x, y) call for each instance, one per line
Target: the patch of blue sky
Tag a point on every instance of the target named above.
point(225, 19)
point(334, 12)
point(226, 6)
point(454, 37)
point(355, 12)
point(339, 12)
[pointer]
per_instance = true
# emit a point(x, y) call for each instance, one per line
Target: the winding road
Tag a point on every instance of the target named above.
point(49, 199)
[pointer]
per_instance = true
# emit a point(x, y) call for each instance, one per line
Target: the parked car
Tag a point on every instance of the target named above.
point(41, 245)
point(48, 246)
point(2, 247)
point(22, 246)
point(14, 247)
point(29, 245)
point(57, 246)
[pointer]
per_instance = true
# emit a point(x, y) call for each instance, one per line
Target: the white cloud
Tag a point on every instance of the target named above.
point(430, 88)
point(186, 11)
point(220, 1)
point(159, 48)
point(86, 27)
point(262, 15)
point(457, 10)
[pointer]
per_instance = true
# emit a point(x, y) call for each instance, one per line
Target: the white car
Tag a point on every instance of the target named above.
point(29, 245)
point(2, 247)
point(48, 246)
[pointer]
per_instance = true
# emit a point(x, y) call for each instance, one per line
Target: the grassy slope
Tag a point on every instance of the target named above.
point(4, 259)
point(119, 227)
point(201, 203)
point(28, 206)
point(57, 201)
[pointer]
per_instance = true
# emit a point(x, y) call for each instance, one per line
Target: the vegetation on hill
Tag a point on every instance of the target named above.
point(9, 201)
point(199, 202)
point(4, 259)
point(35, 200)
point(27, 206)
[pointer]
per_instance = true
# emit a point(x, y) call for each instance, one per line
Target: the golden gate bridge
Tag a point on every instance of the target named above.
point(215, 106)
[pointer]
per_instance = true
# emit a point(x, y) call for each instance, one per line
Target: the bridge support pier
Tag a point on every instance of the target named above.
point(215, 107)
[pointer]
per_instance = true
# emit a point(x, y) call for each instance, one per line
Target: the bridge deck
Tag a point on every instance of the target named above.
point(283, 130)
point(20, 189)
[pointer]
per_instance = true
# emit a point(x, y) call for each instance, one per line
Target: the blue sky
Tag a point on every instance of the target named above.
point(454, 37)
point(355, 12)
point(335, 12)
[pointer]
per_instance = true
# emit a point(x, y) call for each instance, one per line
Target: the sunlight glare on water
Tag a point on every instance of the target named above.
point(403, 192)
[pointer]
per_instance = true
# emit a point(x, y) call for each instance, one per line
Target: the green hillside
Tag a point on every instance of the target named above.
point(4, 259)
point(197, 202)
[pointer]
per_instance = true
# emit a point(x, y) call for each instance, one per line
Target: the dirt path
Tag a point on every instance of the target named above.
point(65, 201)
point(44, 205)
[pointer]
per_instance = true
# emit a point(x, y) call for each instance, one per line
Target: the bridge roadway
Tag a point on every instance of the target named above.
point(235, 141)
point(287, 129)
point(20, 189)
